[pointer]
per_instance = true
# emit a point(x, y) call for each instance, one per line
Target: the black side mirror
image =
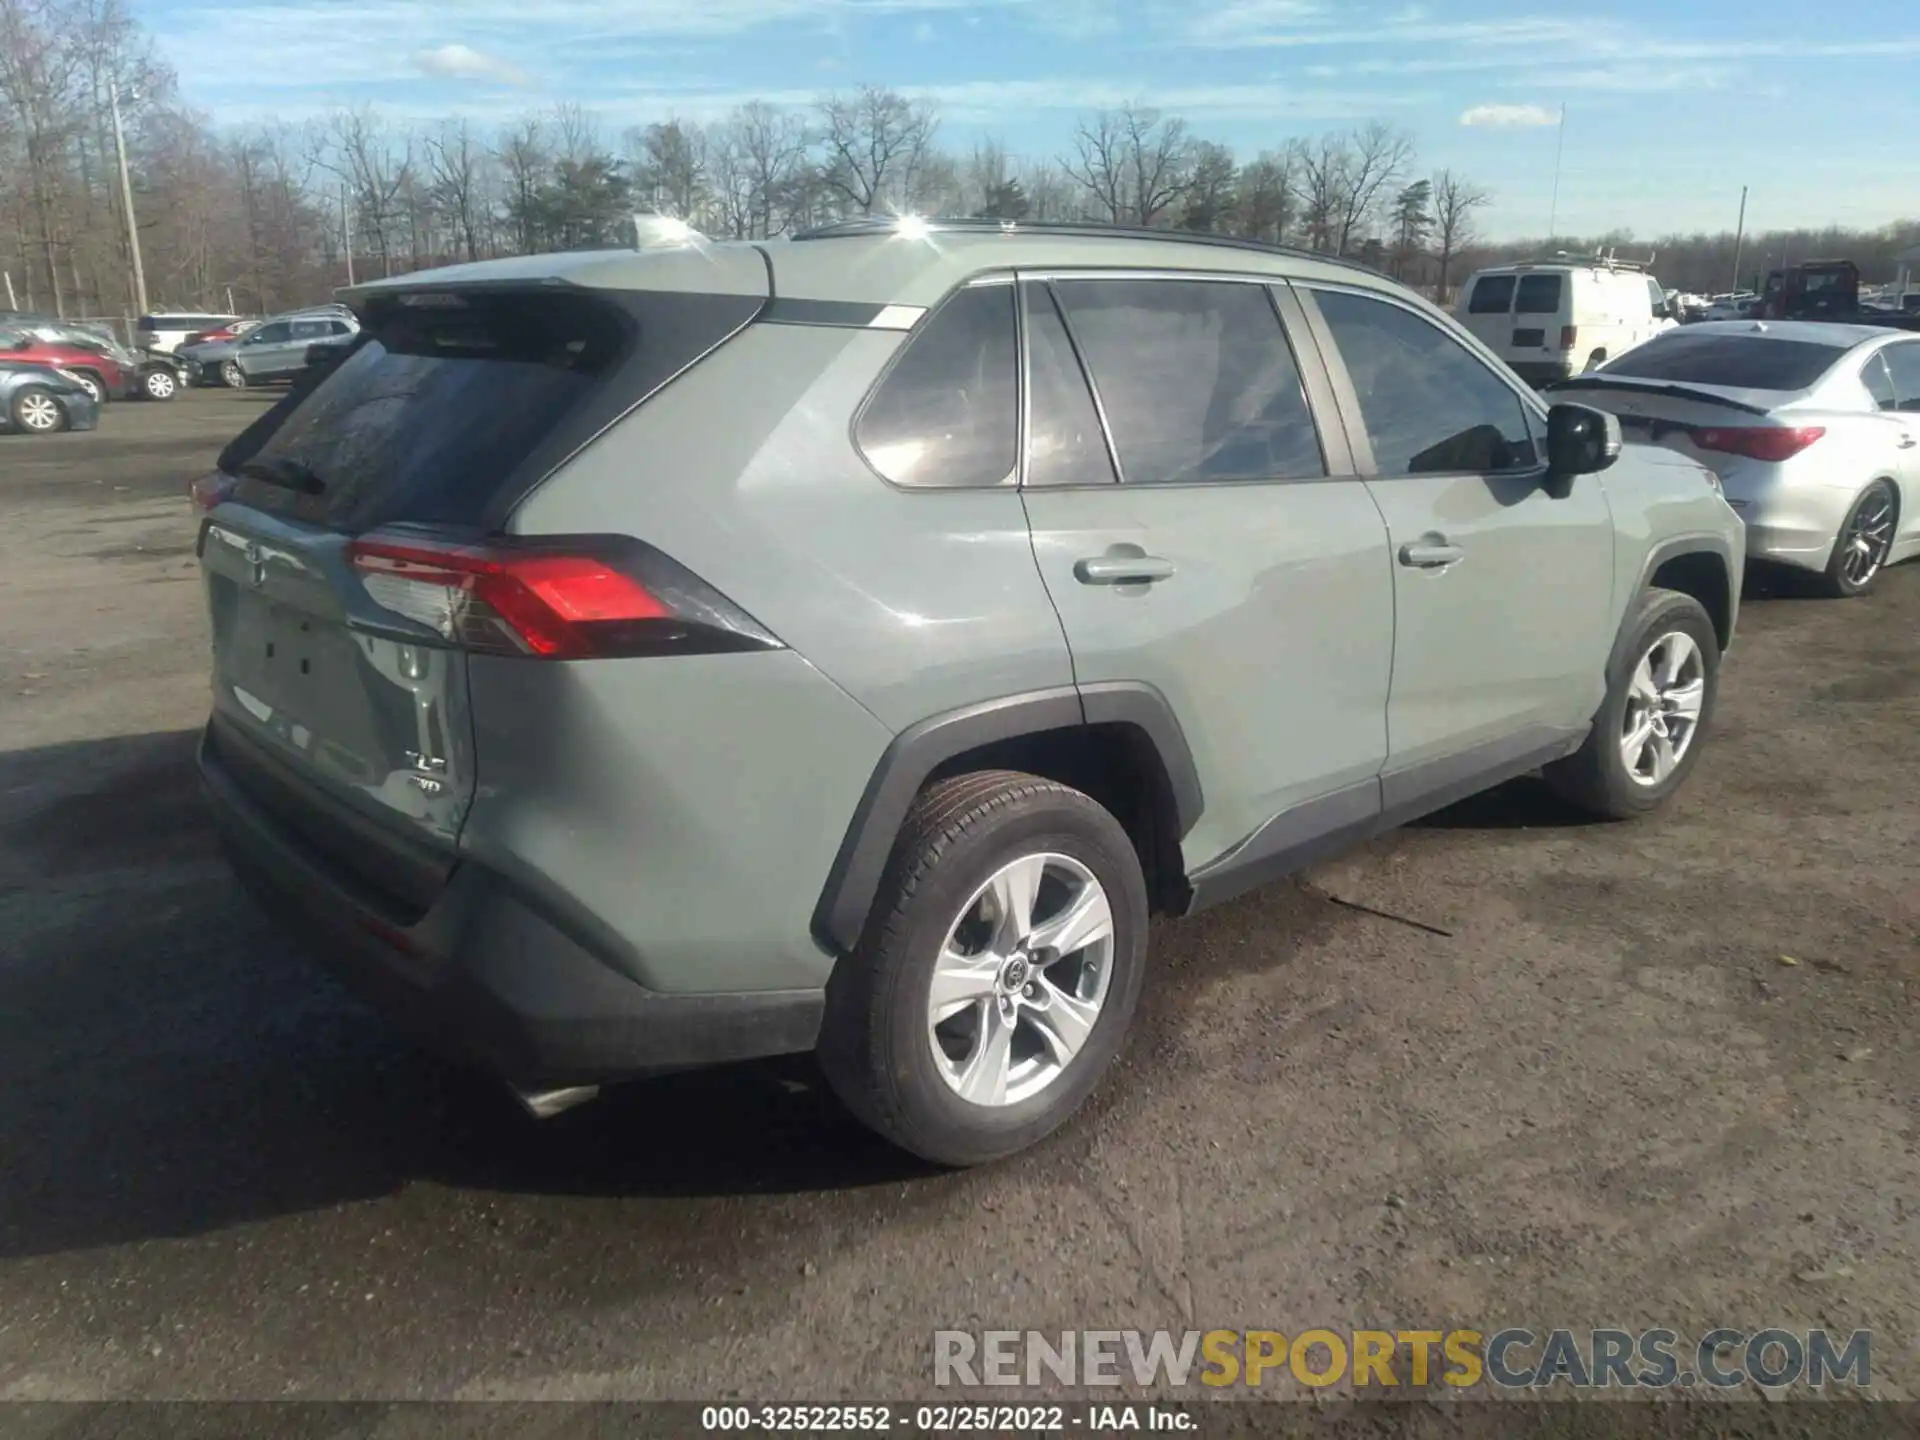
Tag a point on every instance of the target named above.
point(1580, 441)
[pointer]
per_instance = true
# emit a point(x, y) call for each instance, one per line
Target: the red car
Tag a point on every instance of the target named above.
point(94, 365)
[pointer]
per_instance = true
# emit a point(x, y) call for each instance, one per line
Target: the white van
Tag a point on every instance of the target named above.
point(1550, 319)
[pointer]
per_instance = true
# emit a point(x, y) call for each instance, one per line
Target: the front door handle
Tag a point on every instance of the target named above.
point(1122, 570)
point(1907, 442)
point(1432, 553)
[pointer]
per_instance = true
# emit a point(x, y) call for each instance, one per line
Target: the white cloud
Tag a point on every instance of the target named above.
point(463, 62)
point(1511, 117)
point(924, 33)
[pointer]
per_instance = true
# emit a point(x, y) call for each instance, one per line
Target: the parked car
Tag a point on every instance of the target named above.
point(1549, 319)
point(1734, 307)
point(272, 350)
point(147, 375)
point(281, 349)
point(231, 331)
point(39, 400)
point(843, 682)
point(92, 365)
point(1812, 427)
point(168, 330)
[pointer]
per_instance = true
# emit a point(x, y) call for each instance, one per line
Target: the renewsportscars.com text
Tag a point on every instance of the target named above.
point(1384, 1360)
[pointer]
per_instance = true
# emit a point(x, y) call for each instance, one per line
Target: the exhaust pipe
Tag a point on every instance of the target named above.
point(545, 1104)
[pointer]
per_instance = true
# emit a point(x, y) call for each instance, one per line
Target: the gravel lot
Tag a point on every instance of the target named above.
point(1601, 1097)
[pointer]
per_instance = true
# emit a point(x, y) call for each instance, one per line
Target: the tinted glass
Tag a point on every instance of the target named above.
point(309, 329)
point(1538, 295)
point(1065, 444)
point(1430, 406)
point(1879, 383)
point(1492, 295)
point(1656, 297)
point(1742, 362)
point(273, 334)
point(430, 416)
point(1903, 363)
point(947, 414)
point(1196, 380)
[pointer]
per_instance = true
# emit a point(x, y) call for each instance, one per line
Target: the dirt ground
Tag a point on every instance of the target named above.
point(1600, 1097)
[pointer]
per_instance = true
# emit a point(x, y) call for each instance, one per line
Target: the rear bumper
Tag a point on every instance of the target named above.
point(1541, 372)
point(486, 978)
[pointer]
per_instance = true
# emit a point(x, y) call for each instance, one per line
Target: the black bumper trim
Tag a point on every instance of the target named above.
point(486, 979)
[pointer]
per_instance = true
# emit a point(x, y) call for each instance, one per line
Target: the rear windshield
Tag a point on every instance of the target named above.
point(1738, 362)
point(1492, 295)
point(1538, 295)
point(433, 411)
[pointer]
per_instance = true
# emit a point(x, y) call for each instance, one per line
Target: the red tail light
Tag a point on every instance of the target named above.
point(1762, 442)
point(1569, 336)
point(208, 490)
point(572, 598)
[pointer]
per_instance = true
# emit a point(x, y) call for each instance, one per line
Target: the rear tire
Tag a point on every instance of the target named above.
point(975, 852)
point(38, 411)
point(1861, 548)
point(1660, 718)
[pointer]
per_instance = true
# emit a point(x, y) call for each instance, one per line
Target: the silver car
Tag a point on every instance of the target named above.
point(273, 350)
point(1813, 429)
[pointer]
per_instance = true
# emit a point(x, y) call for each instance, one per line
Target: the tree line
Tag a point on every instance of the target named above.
point(263, 218)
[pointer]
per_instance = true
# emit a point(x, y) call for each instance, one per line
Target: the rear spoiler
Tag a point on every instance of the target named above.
point(1649, 387)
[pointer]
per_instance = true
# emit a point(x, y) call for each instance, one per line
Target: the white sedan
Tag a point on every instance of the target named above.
point(1812, 428)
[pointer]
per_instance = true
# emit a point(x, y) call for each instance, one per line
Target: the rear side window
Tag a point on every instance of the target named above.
point(1903, 363)
point(1492, 295)
point(1739, 362)
point(947, 414)
point(1196, 379)
point(1430, 406)
point(1538, 295)
point(431, 415)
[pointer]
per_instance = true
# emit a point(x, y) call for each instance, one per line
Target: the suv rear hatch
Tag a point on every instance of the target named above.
point(353, 556)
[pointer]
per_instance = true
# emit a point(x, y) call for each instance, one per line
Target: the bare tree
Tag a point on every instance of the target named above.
point(528, 161)
point(669, 166)
point(1134, 164)
point(1378, 157)
point(357, 147)
point(1213, 195)
point(1326, 171)
point(1268, 196)
point(876, 142)
point(455, 159)
point(1455, 198)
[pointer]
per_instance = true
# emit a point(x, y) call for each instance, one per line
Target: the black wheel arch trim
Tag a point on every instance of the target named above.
point(1673, 548)
point(919, 750)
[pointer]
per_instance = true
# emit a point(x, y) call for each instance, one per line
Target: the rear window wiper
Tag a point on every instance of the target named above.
point(288, 474)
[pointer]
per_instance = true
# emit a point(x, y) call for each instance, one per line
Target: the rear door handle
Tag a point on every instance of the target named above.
point(1435, 554)
point(1907, 442)
point(1122, 570)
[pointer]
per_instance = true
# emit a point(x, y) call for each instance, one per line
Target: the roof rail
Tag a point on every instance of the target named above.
point(869, 225)
point(1608, 261)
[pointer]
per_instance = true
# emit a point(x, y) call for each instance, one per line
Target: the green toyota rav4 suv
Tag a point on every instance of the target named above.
point(638, 660)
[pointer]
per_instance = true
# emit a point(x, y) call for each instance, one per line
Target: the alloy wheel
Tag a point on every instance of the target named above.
point(160, 384)
point(232, 375)
point(40, 412)
point(1020, 980)
point(1868, 538)
point(1664, 701)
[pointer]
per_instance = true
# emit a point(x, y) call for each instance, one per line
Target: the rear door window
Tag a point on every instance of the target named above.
point(1538, 295)
point(1879, 382)
point(1492, 295)
point(1066, 444)
point(1430, 406)
point(1903, 363)
point(1739, 362)
point(947, 414)
point(1196, 380)
point(277, 333)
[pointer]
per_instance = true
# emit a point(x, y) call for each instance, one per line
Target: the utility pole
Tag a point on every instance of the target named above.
point(1559, 153)
point(346, 231)
point(1739, 239)
point(126, 198)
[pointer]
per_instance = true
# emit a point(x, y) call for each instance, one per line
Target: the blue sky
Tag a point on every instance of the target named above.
point(1670, 108)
